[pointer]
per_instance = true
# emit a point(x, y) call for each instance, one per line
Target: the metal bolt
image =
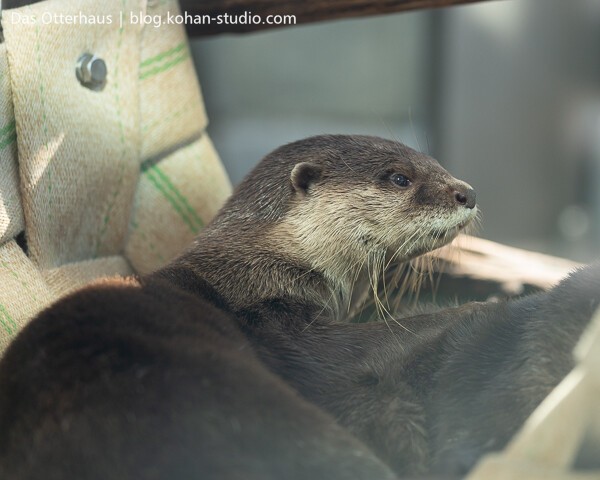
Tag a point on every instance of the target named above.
point(91, 71)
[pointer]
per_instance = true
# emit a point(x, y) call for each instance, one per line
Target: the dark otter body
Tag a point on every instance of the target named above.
point(484, 376)
point(229, 363)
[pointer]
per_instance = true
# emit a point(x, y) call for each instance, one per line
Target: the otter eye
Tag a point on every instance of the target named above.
point(400, 180)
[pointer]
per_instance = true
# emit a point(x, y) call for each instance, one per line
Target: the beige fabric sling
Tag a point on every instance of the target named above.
point(106, 182)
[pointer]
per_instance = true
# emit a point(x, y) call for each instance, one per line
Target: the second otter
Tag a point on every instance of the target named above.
point(198, 371)
point(491, 364)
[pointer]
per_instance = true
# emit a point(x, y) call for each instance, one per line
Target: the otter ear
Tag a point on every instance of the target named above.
point(304, 175)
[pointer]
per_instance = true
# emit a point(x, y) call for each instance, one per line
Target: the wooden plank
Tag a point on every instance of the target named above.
point(512, 268)
point(305, 11)
point(472, 268)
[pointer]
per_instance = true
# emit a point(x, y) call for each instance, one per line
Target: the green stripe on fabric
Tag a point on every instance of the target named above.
point(164, 67)
point(10, 319)
point(6, 265)
point(153, 248)
point(168, 118)
point(4, 317)
point(8, 140)
point(122, 160)
point(3, 323)
point(178, 208)
point(8, 128)
point(160, 56)
point(191, 211)
point(8, 134)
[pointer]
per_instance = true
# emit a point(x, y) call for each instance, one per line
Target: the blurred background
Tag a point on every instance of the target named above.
point(505, 94)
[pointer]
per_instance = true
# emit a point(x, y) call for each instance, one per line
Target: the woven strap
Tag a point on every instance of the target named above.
point(84, 156)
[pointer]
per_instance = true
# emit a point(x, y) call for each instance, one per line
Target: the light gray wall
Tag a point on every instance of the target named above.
point(506, 95)
point(515, 76)
point(352, 76)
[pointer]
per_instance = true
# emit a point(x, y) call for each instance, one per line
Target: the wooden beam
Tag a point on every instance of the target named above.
point(303, 11)
point(511, 267)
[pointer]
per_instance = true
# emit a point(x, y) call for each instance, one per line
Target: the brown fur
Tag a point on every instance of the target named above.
point(229, 363)
point(489, 365)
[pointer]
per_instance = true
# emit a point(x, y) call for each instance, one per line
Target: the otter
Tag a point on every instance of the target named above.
point(231, 362)
point(489, 365)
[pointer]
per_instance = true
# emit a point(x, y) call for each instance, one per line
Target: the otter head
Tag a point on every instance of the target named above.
point(352, 198)
point(339, 204)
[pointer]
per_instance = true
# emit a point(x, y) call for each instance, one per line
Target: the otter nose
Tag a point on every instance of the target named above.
point(465, 196)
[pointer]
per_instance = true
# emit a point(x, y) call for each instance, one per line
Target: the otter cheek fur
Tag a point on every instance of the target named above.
point(229, 362)
point(357, 222)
